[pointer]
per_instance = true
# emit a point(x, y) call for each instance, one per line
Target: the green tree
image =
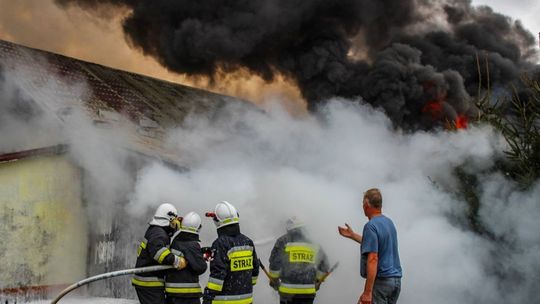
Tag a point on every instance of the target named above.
point(517, 117)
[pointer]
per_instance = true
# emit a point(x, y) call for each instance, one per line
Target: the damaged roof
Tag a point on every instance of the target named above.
point(152, 105)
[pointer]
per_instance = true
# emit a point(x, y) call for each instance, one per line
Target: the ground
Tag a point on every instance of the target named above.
point(80, 300)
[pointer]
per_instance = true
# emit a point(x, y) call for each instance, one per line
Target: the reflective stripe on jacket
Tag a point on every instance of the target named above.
point(297, 288)
point(141, 281)
point(185, 283)
point(184, 289)
point(298, 263)
point(153, 250)
point(234, 299)
point(235, 267)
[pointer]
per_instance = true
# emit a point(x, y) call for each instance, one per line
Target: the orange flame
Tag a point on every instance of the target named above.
point(434, 107)
point(461, 122)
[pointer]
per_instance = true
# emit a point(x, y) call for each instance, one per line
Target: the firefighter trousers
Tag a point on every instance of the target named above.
point(179, 300)
point(151, 295)
point(296, 300)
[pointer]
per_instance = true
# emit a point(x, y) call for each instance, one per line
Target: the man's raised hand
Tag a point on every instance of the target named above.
point(349, 233)
point(346, 231)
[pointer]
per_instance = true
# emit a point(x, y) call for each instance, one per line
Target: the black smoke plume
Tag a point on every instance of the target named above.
point(414, 58)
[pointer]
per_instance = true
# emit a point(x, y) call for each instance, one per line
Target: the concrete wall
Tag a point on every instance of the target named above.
point(43, 226)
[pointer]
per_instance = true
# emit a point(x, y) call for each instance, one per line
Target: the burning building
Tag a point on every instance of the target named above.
point(415, 60)
point(48, 198)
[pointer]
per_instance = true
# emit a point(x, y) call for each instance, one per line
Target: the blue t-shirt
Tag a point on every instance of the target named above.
point(380, 236)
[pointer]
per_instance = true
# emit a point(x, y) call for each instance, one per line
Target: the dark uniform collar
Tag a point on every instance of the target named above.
point(186, 236)
point(233, 229)
point(296, 234)
point(168, 229)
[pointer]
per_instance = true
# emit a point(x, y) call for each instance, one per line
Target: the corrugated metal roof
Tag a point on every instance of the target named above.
point(151, 104)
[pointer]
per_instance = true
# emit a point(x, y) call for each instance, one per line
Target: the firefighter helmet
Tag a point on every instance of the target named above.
point(225, 214)
point(191, 223)
point(293, 222)
point(165, 213)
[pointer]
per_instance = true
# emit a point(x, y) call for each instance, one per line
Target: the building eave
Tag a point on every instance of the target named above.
point(45, 151)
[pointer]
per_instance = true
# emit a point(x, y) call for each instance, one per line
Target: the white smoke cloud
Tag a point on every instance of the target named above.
point(38, 110)
point(104, 158)
point(271, 165)
point(23, 123)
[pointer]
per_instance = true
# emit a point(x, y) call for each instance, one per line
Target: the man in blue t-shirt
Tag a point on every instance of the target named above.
point(379, 264)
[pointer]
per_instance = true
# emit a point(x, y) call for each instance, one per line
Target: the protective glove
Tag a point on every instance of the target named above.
point(179, 262)
point(274, 283)
point(176, 223)
point(208, 253)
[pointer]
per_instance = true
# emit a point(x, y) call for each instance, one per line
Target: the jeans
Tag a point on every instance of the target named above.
point(386, 290)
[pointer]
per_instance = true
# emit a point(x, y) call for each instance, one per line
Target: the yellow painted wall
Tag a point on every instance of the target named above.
point(43, 227)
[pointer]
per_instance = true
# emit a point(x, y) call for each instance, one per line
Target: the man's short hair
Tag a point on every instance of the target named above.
point(374, 198)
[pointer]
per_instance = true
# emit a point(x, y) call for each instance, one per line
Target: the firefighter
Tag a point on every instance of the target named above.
point(182, 287)
point(234, 267)
point(154, 250)
point(297, 265)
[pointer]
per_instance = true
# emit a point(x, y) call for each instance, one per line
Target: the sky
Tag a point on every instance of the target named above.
point(525, 10)
point(75, 33)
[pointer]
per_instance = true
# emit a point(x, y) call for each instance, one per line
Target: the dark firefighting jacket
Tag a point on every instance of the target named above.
point(153, 250)
point(185, 283)
point(234, 269)
point(298, 263)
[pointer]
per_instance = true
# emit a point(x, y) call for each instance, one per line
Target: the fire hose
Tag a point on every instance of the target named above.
point(107, 276)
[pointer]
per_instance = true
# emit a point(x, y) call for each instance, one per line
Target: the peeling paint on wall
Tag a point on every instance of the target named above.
point(42, 223)
point(104, 252)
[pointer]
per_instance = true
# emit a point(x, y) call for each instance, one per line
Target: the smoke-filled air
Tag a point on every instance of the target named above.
point(415, 59)
point(272, 165)
point(393, 88)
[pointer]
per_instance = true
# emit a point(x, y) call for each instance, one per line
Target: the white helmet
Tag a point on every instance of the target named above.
point(191, 223)
point(165, 213)
point(225, 214)
point(293, 222)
